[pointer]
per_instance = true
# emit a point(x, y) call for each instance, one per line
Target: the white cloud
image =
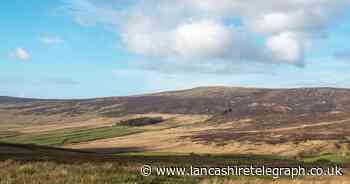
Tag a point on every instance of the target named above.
point(204, 38)
point(51, 40)
point(285, 47)
point(20, 54)
point(142, 37)
point(199, 30)
point(273, 22)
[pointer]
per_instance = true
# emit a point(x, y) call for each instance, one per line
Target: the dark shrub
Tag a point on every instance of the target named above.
point(143, 121)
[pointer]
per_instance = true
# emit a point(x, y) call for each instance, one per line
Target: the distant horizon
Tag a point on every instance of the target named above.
point(178, 90)
point(78, 49)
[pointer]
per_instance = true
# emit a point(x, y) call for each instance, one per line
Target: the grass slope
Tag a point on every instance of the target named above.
point(66, 136)
point(40, 164)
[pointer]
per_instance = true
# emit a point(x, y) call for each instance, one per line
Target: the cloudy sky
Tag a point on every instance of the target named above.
point(94, 48)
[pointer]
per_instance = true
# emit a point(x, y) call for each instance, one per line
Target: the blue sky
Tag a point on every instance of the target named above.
point(90, 48)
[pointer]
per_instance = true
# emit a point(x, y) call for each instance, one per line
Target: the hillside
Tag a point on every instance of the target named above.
point(210, 100)
point(207, 119)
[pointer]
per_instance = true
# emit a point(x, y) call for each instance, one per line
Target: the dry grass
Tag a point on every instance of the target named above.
point(67, 123)
point(14, 172)
point(168, 136)
point(86, 173)
point(91, 123)
point(257, 181)
point(160, 137)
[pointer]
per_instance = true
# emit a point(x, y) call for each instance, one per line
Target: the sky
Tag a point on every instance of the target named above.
point(98, 48)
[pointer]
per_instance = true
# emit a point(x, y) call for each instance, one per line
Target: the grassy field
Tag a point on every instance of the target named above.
point(66, 136)
point(99, 173)
point(29, 164)
point(85, 173)
point(42, 172)
point(111, 173)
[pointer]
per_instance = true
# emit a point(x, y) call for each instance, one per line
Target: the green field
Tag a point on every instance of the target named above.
point(338, 159)
point(66, 136)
